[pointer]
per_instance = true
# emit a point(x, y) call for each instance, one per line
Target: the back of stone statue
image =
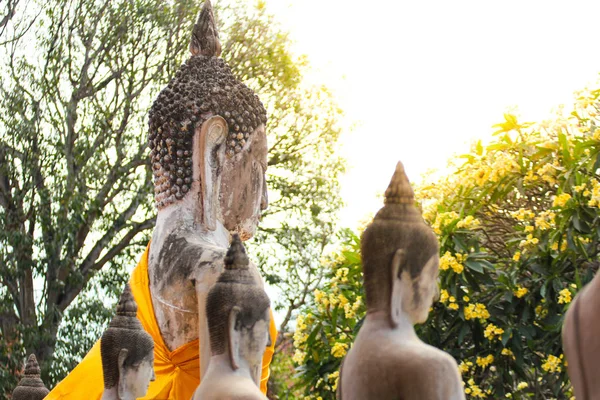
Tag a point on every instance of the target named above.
point(237, 310)
point(400, 257)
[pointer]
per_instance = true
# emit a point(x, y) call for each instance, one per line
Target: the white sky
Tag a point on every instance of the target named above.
point(424, 78)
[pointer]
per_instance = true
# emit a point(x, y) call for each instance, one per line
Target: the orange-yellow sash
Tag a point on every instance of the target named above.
point(177, 372)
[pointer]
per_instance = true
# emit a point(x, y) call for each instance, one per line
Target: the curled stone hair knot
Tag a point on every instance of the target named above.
point(202, 87)
point(30, 387)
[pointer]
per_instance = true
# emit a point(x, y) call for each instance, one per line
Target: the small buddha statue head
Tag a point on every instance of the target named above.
point(207, 139)
point(237, 310)
point(127, 351)
point(30, 387)
point(400, 255)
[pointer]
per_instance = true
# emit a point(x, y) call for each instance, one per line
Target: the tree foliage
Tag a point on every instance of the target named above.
point(76, 205)
point(519, 233)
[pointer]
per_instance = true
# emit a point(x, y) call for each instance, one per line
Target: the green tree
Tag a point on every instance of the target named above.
point(76, 206)
point(519, 235)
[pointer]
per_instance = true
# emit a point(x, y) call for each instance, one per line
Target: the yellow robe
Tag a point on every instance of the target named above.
point(177, 372)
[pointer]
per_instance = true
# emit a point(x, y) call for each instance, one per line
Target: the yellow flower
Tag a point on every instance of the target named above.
point(508, 353)
point(463, 367)
point(453, 306)
point(444, 296)
point(339, 349)
point(554, 246)
point(522, 385)
point(469, 222)
point(564, 296)
point(343, 300)
point(484, 361)
point(492, 331)
point(520, 291)
point(517, 256)
point(336, 377)
point(522, 214)
point(561, 200)
point(579, 188)
point(466, 299)
point(552, 364)
point(299, 356)
point(448, 261)
point(477, 310)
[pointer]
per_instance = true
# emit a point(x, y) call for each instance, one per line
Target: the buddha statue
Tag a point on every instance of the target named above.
point(127, 353)
point(400, 256)
point(30, 387)
point(208, 153)
point(209, 156)
point(581, 341)
point(238, 322)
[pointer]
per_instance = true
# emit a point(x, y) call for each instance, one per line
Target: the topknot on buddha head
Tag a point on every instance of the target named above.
point(125, 344)
point(398, 235)
point(30, 387)
point(203, 87)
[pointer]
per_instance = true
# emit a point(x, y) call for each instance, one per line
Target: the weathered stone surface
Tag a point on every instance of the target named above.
point(30, 387)
point(209, 156)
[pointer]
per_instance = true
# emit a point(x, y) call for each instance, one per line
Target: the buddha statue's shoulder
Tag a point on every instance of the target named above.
point(409, 369)
point(230, 387)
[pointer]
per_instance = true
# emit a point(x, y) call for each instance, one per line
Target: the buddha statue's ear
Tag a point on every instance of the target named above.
point(121, 364)
point(209, 143)
point(398, 262)
point(234, 338)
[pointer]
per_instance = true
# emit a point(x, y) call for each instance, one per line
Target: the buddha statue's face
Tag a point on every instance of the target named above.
point(253, 342)
point(243, 193)
point(136, 378)
point(417, 294)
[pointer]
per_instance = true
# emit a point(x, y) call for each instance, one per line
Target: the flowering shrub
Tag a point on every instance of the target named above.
point(519, 232)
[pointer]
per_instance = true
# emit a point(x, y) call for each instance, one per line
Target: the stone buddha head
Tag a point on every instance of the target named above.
point(238, 316)
point(207, 139)
point(127, 352)
point(400, 256)
point(30, 387)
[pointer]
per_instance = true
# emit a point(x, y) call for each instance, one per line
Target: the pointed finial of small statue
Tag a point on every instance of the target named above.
point(236, 257)
point(399, 190)
point(30, 387)
point(205, 37)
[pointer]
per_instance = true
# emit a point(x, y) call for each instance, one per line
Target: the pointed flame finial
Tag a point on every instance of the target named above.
point(127, 306)
point(30, 386)
point(205, 37)
point(399, 191)
point(236, 257)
